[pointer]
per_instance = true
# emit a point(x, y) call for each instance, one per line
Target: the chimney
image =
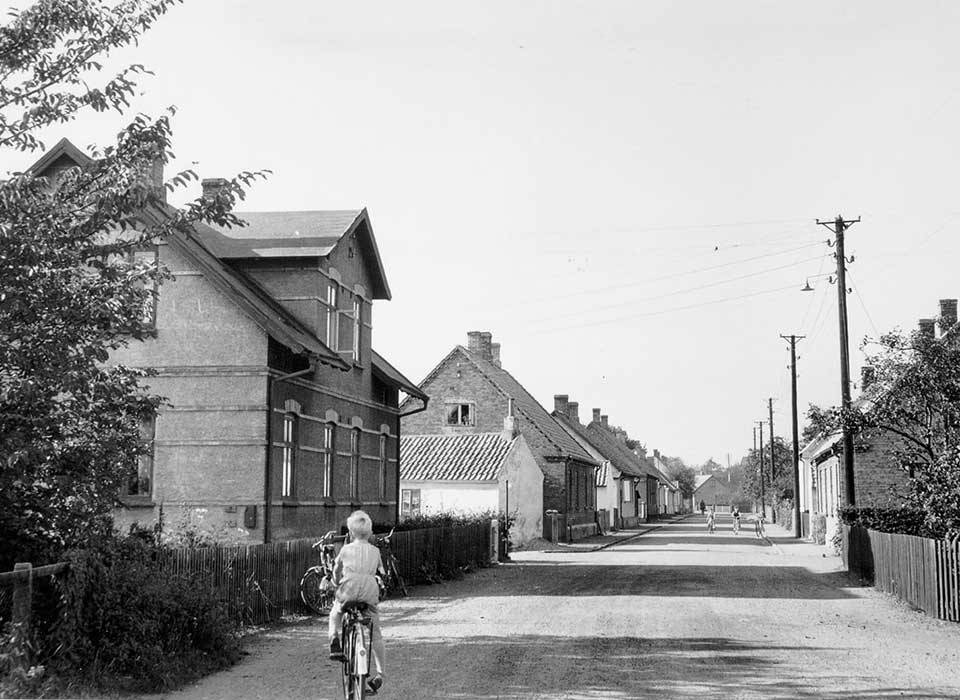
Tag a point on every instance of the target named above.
point(155, 179)
point(573, 411)
point(478, 342)
point(948, 314)
point(927, 326)
point(867, 375)
point(604, 422)
point(560, 402)
point(596, 415)
point(495, 353)
point(656, 454)
point(212, 185)
point(510, 430)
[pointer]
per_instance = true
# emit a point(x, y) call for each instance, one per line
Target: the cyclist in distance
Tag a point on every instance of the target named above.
point(355, 575)
point(736, 520)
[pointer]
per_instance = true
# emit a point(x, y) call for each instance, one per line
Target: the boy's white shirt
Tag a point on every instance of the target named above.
point(355, 570)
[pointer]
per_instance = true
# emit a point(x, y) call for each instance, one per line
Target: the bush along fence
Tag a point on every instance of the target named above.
point(922, 571)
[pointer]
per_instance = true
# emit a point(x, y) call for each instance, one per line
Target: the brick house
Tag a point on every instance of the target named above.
point(672, 495)
point(878, 479)
point(471, 393)
point(474, 473)
point(623, 492)
point(281, 418)
point(712, 491)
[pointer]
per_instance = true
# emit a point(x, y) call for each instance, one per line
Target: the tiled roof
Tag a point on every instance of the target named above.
point(272, 234)
point(607, 444)
point(463, 457)
point(700, 480)
point(529, 408)
point(393, 376)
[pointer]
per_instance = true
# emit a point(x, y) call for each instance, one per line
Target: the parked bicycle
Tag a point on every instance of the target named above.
point(316, 589)
point(394, 582)
point(355, 639)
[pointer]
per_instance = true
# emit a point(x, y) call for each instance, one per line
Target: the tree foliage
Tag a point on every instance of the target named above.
point(70, 289)
point(776, 486)
point(685, 476)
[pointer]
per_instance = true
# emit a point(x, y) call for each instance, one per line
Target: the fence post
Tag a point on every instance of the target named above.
point(22, 596)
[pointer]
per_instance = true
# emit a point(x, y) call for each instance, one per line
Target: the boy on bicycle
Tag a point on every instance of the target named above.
point(736, 520)
point(357, 573)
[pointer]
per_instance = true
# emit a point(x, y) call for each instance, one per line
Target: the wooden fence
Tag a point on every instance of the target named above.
point(921, 571)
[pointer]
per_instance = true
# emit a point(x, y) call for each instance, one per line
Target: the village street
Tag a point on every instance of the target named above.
point(675, 612)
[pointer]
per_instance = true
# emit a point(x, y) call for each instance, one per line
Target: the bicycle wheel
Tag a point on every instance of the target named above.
point(396, 579)
point(353, 681)
point(312, 595)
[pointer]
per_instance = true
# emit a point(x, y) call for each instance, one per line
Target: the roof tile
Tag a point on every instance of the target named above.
point(463, 457)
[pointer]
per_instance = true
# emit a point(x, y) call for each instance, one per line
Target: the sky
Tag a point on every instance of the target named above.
point(625, 194)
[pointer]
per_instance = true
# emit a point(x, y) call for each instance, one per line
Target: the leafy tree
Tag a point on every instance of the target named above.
point(748, 474)
point(914, 398)
point(685, 476)
point(70, 291)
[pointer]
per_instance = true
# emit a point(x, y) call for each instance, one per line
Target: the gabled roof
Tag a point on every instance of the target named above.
point(461, 457)
point(62, 148)
point(607, 444)
point(392, 375)
point(298, 234)
point(524, 404)
point(602, 447)
point(701, 479)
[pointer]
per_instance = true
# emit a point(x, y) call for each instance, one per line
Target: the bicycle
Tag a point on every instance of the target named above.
point(394, 580)
point(736, 525)
point(316, 591)
point(355, 639)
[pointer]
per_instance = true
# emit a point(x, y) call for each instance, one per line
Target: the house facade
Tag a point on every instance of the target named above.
point(473, 473)
point(712, 492)
point(280, 418)
point(470, 392)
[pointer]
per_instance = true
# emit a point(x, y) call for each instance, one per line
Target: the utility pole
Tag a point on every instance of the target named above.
point(839, 225)
point(773, 464)
point(763, 509)
point(798, 527)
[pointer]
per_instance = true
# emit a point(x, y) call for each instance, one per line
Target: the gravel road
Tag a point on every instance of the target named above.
point(673, 613)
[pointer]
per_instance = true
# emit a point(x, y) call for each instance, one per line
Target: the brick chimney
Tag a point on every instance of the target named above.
point(867, 375)
point(154, 178)
point(212, 185)
point(560, 403)
point(495, 353)
point(510, 428)
point(948, 314)
point(478, 342)
point(596, 415)
point(927, 327)
point(573, 411)
point(604, 421)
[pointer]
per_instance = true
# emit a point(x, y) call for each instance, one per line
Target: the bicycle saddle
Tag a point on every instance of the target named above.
point(357, 605)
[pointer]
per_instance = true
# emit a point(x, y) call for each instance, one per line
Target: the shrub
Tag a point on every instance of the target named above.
point(127, 623)
point(902, 519)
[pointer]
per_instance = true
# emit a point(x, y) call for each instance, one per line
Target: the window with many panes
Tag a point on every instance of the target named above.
point(140, 480)
point(383, 467)
point(333, 318)
point(409, 503)
point(355, 463)
point(460, 414)
point(148, 259)
point(326, 460)
point(289, 450)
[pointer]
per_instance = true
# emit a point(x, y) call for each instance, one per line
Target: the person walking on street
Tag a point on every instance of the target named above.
point(703, 507)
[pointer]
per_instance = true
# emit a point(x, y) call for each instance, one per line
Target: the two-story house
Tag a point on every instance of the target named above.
point(281, 418)
point(471, 392)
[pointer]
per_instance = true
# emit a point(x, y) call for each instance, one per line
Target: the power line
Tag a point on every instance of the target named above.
point(813, 297)
point(678, 291)
point(863, 305)
point(665, 311)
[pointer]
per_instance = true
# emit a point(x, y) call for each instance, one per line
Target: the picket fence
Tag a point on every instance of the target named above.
point(921, 571)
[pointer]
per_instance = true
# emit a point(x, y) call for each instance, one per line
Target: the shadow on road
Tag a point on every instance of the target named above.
point(538, 666)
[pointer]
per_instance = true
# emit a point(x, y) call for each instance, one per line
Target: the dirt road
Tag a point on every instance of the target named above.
point(674, 613)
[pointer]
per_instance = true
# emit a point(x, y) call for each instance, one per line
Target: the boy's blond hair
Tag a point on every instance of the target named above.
point(360, 525)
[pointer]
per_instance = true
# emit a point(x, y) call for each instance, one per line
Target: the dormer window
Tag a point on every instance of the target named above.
point(460, 414)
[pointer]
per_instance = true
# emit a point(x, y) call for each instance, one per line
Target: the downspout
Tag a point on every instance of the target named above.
point(268, 462)
point(399, 417)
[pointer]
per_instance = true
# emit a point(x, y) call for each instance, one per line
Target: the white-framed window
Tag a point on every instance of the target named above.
point(627, 490)
point(409, 503)
point(326, 460)
point(148, 258)
point(383, 467)
point(460, 414)
point(357, 326)
point(355, 463)
point(289, 450)
point(333, 317)
point(140, 481)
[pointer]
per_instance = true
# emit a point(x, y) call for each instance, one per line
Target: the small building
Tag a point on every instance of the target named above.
point(473, 473)
point(471, 392)
point(712, 492)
